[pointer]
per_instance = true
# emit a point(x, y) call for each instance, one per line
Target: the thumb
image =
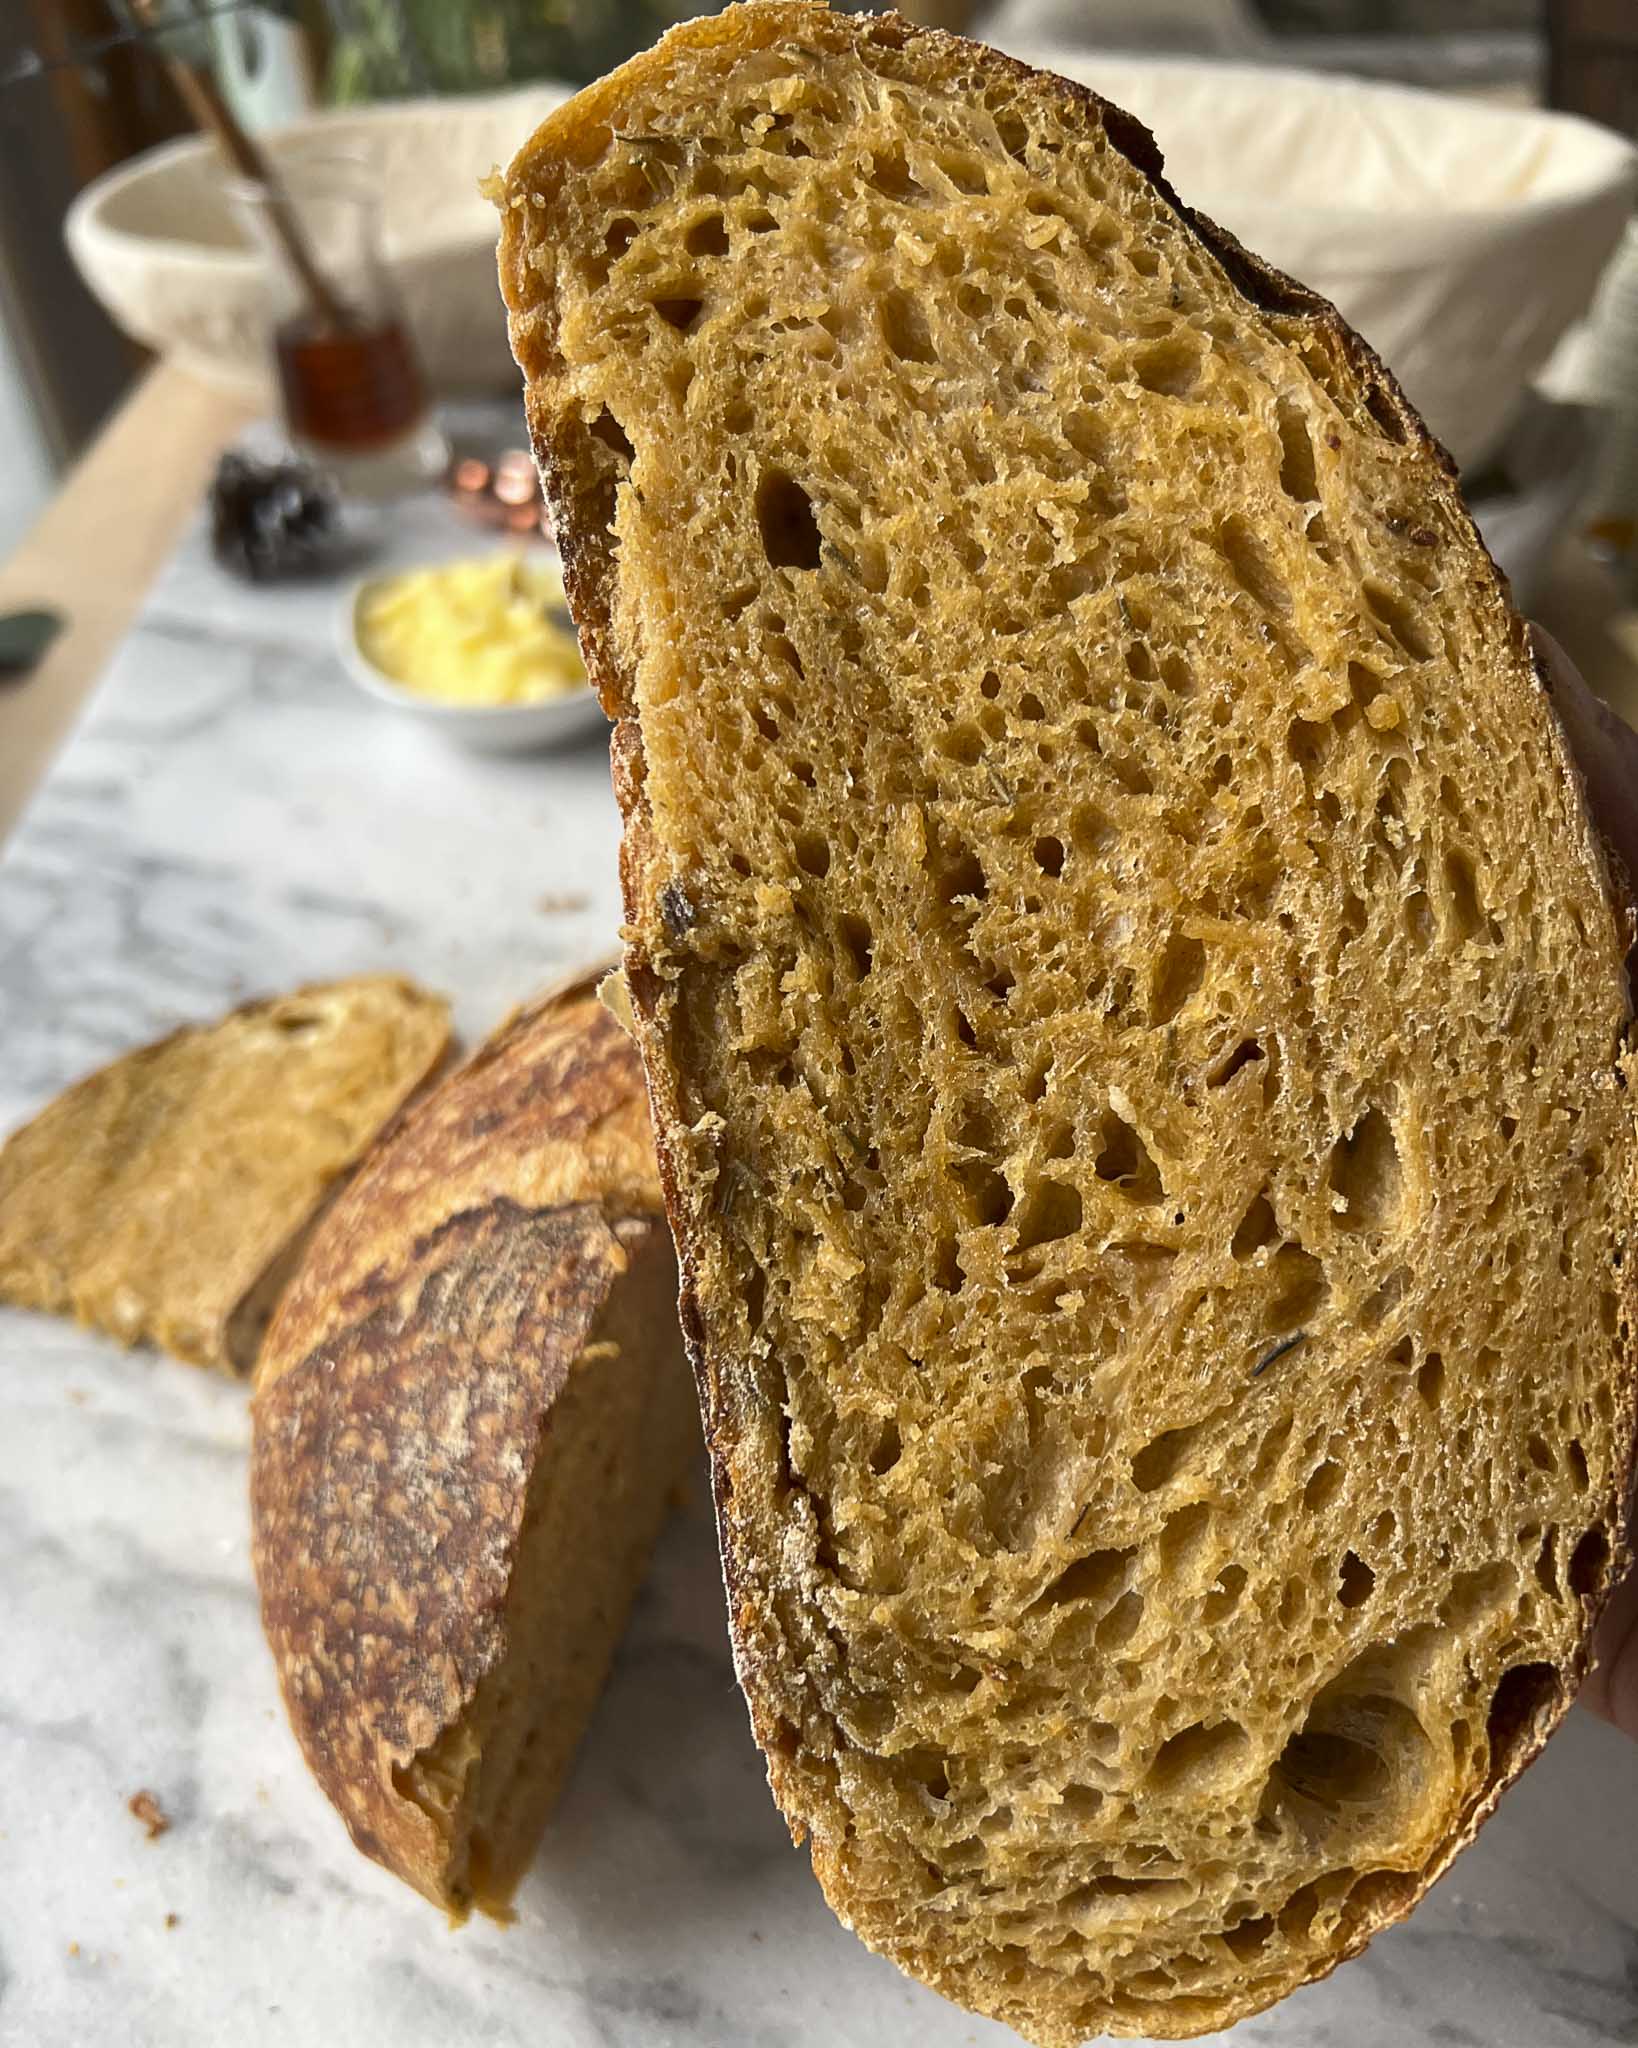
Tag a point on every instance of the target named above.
point(1611, 1689)
point(1603, 746)
point(1605, 749)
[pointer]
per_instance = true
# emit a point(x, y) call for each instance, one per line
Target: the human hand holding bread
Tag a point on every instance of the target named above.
point(1606, 752)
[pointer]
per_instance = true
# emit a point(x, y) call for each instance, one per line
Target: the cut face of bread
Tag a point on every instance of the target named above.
point(1134, 1008)
point(167, 1196)
point(470, 1415)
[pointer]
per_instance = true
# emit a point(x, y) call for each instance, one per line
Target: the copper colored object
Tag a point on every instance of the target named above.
point(515, 482)
point(503, 493)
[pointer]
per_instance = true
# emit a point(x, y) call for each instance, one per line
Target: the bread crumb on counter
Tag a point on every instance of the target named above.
point(146, 1808)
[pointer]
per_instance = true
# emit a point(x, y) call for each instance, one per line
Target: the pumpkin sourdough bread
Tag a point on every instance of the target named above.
point(167, 1196)
point(1133, 1005)
point(470, 1416)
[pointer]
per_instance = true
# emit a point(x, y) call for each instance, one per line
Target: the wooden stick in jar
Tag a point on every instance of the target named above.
point(212, 115)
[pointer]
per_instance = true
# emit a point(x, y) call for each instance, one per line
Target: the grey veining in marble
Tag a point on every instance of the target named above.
point(232, 817)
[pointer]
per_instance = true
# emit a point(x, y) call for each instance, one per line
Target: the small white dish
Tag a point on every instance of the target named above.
point(480, 728)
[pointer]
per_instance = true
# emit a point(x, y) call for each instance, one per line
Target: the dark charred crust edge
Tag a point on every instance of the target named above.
point(589, 576)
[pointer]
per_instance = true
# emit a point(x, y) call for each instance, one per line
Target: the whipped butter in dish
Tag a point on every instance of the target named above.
point(493, 630)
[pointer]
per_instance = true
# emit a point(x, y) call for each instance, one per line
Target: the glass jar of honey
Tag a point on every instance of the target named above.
point(349, 378)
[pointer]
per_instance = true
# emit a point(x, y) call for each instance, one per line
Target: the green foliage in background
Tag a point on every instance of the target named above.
point(391, 49)
point(404, 49)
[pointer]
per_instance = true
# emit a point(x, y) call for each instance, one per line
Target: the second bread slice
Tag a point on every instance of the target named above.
point(167, 1196)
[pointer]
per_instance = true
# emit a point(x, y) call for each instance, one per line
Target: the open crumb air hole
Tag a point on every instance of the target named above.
point(680, 313)
point(1181, 970)
point(1525, 1693)
point(1587, 1563)
point(1126, 1162)
point(1161, 1461)
point(1092, 1578)
point(1198, 1758)
point(1366, 1173)
point(607, 429)
point(1298, 479)
point(1170, 367)
point(708, 237)
point(905, 329)
point(988, 1197)
point(786, 520)
point(1343, 1754)
point(1355, 1582)
point(1051, 1211)
point(1257, 1228)
point(1247, 1051)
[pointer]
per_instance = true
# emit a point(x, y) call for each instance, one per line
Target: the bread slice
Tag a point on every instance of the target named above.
point(470, 1415)
point(1133, 1006)
point(167, 1196)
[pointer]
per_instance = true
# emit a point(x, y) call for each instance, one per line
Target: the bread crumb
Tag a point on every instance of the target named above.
point(560, 904)
point(73, 1948)
point(615, 997)
point(173, 1919)
point(146, 1808)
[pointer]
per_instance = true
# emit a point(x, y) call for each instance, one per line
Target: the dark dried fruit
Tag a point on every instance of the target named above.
point(677, 912)
point(271, 519)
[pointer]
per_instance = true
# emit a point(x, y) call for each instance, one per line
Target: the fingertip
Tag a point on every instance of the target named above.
point(1611, 1689)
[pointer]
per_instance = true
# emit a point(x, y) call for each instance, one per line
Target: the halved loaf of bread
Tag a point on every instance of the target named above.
point(1133, 1005)
point(470, 1415)
point(167, 1196)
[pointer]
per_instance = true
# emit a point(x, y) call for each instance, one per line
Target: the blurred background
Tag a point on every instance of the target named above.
point(79, 98)
point(1482, 239)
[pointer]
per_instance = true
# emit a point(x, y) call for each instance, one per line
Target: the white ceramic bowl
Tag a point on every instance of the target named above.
point(158, 241)
point(1459, 237)
point(480, 728)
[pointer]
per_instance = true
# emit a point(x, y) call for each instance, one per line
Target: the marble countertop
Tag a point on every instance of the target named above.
point(232, 817)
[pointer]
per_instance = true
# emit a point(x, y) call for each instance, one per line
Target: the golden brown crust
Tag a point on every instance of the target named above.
point(391, 1473)
point(164, 1196)
point(407, 1397)
point(575, 477)
point(547, 1113)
